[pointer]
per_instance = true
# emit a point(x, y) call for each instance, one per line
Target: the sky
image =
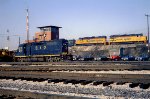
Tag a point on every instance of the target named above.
point(78, 18)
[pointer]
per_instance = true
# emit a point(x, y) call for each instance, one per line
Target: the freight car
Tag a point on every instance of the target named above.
point(92, 40)
point(127, 39)
point(54, 50)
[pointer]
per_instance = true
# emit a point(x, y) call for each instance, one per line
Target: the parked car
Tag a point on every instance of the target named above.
point(142, 58)
point(115, 57)
point(79, 58)
point(88, 58)
point(85, 58)
point(128, 58)
point(101, 58)
point(74, 58)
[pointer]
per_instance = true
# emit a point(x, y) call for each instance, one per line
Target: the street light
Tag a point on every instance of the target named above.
point(147, 31)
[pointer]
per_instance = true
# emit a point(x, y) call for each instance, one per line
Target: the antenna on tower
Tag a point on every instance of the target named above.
point(27, 25)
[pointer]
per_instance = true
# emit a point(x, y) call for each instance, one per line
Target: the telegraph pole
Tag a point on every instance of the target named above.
point(27, 25)
point(148, 31)
point(8, 38)
point(147, 26)
point(19, 40)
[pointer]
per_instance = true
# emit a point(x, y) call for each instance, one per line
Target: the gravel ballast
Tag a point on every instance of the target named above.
point(91, 91)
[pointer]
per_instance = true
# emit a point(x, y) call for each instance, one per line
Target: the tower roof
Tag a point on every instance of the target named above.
point(50, 26)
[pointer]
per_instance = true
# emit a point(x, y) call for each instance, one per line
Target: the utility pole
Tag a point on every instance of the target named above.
point(8, 38)
point(27, 25)
point(19, 40)
point(148, 31)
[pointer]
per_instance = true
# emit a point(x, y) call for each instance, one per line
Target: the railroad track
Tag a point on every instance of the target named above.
point(77, 68)
point(79, 71)
point(89, 66)
point(86, 76)
point(77, 63)
point(133, 74)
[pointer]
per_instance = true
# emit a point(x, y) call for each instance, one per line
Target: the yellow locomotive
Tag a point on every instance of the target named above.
point(92, 40)
point(127, 39)
point(114, 39)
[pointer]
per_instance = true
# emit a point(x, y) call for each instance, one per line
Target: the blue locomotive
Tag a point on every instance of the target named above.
point(54, 50)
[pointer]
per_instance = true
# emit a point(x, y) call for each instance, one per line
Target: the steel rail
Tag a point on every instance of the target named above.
point(33, 95)
point(108, 77)
point(77, 63)
point(72, 67)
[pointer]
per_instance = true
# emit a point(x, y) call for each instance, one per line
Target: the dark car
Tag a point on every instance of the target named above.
point(85, 58)
point(128, 58)
point(142, 58)
point(88, 58)
point(101, 58)
point(74, 58)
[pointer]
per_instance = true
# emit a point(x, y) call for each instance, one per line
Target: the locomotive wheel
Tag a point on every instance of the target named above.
point(20, 60)
point(51, 59)
point(47, 59)
point(54, 59)
point(57, 59)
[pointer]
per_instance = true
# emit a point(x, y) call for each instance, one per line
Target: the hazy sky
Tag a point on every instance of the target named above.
point(79, 18)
